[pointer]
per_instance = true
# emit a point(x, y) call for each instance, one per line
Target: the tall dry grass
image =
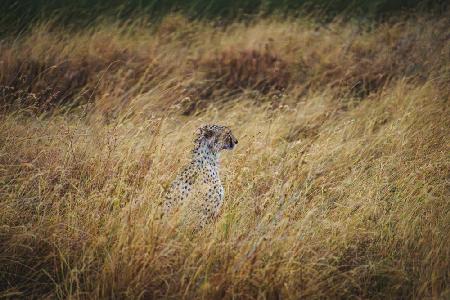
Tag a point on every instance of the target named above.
point(338, 187)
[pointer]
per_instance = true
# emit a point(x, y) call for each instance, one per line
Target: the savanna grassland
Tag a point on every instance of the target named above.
point(338, 188)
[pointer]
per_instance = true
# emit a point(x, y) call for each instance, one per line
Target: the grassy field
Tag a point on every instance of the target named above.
point(338, 188)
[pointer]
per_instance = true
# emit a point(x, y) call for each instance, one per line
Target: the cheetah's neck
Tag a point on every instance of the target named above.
point(203, 155)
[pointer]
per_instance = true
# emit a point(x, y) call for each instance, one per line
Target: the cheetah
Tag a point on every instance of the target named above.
point(198, 186)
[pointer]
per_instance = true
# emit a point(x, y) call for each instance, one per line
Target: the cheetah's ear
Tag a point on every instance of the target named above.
point(205, 132)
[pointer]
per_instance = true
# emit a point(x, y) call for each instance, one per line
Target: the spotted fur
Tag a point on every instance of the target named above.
point(198, 186)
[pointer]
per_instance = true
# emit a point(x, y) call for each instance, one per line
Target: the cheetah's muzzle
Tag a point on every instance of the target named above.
point(232, 141)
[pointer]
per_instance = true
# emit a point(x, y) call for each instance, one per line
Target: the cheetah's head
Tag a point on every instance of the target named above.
point(216, 137)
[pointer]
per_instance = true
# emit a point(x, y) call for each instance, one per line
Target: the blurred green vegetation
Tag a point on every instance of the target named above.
point(19, 15)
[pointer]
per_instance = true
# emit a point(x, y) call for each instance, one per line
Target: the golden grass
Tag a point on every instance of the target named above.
point(338, 187)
